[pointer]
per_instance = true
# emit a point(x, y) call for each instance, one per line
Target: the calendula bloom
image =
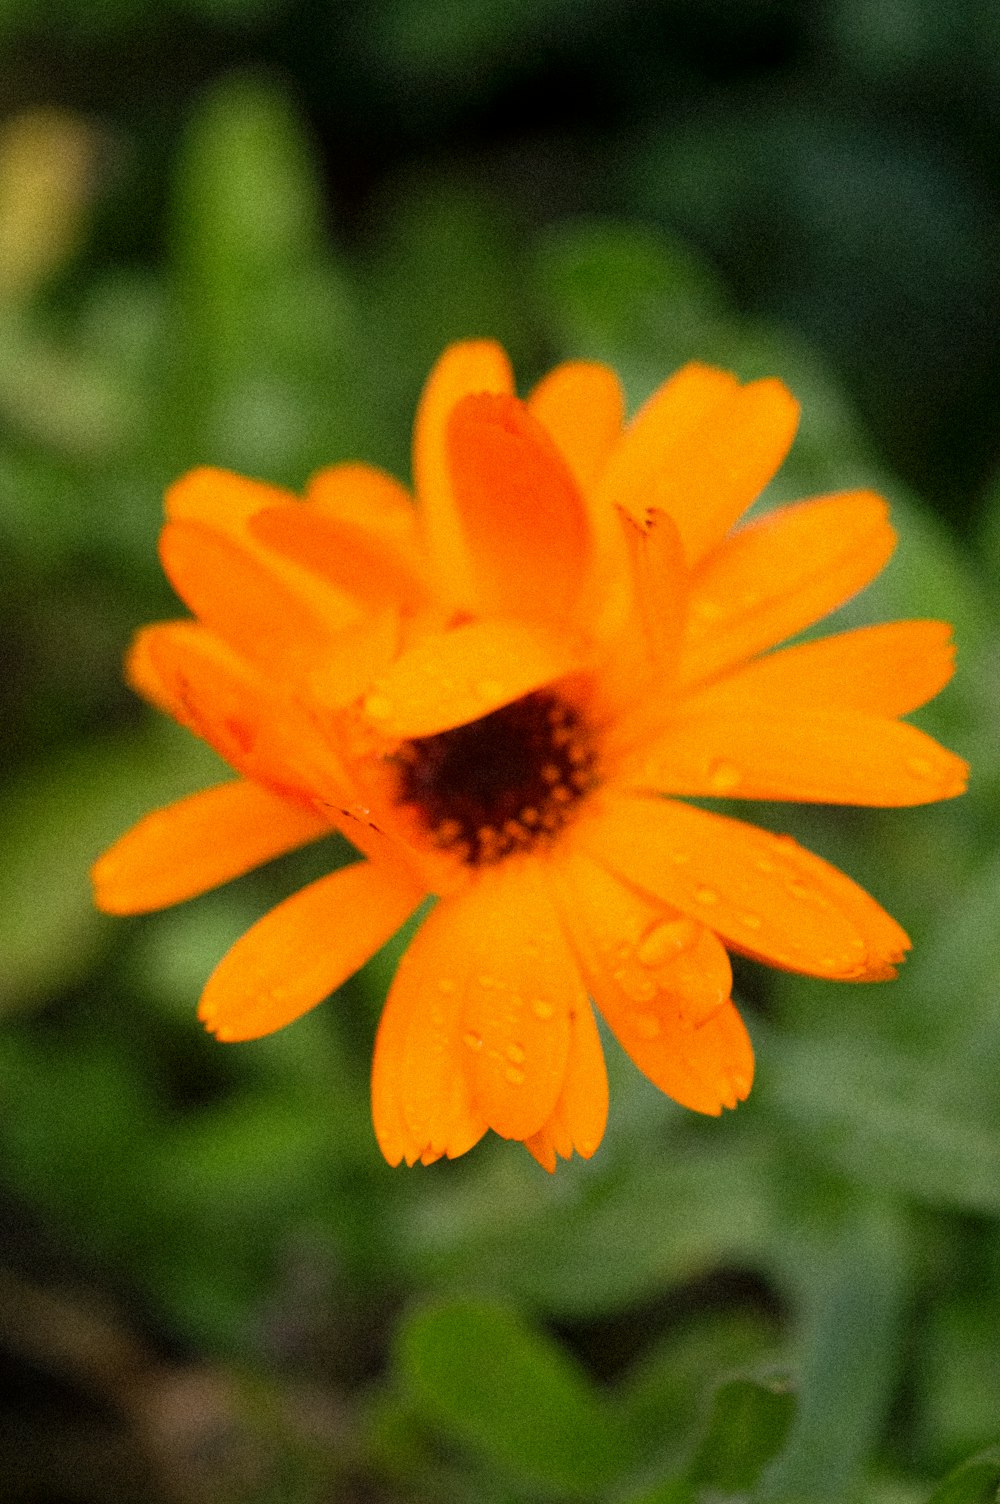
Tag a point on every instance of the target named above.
point(501, 696)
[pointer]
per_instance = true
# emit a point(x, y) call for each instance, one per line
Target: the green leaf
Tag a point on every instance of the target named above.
point(446, 268)
point(271, 378)
point(248, 196)
point(850, 1277)
point(889, 1120)
point(625, 294)
point(974, 1482)
point(56, 821)
point(609, 1235)
point(509, 1394)
point(674, 1491)
point(747, 1428)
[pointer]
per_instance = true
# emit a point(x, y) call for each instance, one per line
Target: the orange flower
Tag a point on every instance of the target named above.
point(497, 696)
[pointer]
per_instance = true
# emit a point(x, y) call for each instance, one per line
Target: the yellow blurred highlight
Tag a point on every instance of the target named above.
point(47, 160)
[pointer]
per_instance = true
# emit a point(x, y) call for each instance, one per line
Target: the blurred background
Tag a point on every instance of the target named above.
point(238, 232)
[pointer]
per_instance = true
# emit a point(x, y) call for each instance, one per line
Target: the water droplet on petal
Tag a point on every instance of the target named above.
point(378, 707)
point(515, 1054)
point(799, 889)
point(764, 864)
point(514, 1076)
point(724, 777)
point(666, 939)
point(641, 989)
point(751, 921)
point(473, 1040)
point(706, 895)
point(542, 1008)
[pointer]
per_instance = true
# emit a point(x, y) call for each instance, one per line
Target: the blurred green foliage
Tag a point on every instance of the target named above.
point(799, 1303)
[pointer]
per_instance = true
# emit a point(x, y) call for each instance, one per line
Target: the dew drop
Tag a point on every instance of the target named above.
point(514, 1075)
point(646, 1025)
point(542, 1008)
point(706, 895)
point(764, 864)
point(724, 777)
point(751, 921)
point(473, 1040)
point(666, 939)
point(920, 766)
point(640, 989)
point(379, 707)
point(799, 889)
point(515, 1054)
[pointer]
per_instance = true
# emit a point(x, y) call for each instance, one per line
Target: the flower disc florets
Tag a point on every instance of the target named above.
point(501, 784)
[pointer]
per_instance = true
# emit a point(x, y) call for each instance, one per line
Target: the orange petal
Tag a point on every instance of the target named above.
point(204, 685)
point(580, 403)
point(189, 673)
point(659, 584)
point(366, 498)
point(702, 449)
point(779, 575)
point(522, 515)
point(822, 756)
point(226, 505)
point(520, 992)
point(421, 1101)
point(194, 845)
point(661, 429)
point(354, 560)
point(888, 670)
point(475, 366)
point(662, 982)
point(248, 604)
point(476, 1028)
point(304, 949)
point(450, 678)
point(220, 499)
point(763, 894)
point(581, 1113)
point(639, 661)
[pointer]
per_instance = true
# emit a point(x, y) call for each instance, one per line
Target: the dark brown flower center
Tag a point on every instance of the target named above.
point(503, 783)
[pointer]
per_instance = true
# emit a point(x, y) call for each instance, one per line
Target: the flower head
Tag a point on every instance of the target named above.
point(501, 696)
